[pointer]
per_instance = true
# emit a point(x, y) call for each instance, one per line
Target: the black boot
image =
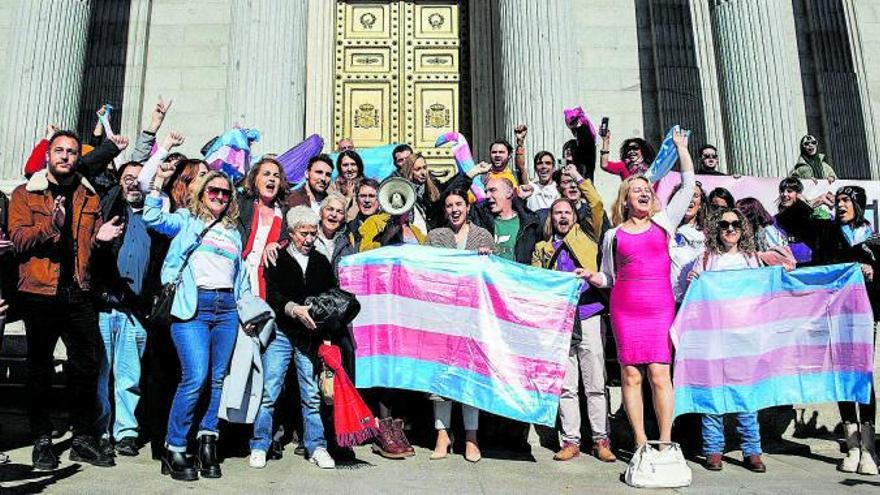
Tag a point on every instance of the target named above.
point(179, 466)
point(85, 449)
point(44, 457)
point(209, 465)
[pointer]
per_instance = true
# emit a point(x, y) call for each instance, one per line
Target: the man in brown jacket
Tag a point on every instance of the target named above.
point(313, 192)
point(55, 222)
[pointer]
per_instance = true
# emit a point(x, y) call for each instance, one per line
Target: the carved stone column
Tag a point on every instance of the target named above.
point(758, 74)
point(135, 69)
point(319, 70)
point(534, 80)
point(267, 70)
point(705, 48)
point(43, 76)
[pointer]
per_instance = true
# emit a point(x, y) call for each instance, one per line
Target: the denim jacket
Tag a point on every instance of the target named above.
point(184, 228)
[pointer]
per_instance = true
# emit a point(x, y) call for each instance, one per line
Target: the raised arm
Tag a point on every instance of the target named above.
point(584, 153)
point(145, 177)
point(155, 217)
point(519, 160)
point(678, 205)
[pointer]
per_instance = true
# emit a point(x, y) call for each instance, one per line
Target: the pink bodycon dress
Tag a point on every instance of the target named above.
point(642, 304)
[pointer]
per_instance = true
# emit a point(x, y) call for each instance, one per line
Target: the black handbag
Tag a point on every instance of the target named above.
point(160, 315)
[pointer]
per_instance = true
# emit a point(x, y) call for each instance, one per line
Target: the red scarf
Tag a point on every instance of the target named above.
point(274, 235)
point(352, 419)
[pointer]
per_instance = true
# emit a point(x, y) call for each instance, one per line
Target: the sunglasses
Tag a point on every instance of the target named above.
point(215, 192)
point(735, 225)
point(708, 156)
point(633, 147)
point(810, 141)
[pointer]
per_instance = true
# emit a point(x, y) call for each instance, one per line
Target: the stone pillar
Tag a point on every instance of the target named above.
point(320, 69)
point(705, 48)
point(43, 76)
point(758, 73)
point(861, 18)
point(267, 71)
point(534, 72)
point(135, 70)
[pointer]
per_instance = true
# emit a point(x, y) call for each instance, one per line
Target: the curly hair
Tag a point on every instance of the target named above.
point(619, 210)
point(200, 210)
point(250, 180)
point(715, 245)
point(648, 153)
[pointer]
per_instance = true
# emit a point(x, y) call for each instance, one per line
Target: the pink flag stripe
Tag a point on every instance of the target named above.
point(769, 308)
point(748, 370)
point(453, 290)
point(460, 352)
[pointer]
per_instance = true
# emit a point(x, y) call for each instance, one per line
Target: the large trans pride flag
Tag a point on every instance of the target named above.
point(480, 330)
point(750, 339)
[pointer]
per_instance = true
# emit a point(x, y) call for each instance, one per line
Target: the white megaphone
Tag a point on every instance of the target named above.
point(396, 195)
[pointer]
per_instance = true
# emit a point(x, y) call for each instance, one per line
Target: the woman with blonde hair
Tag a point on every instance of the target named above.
point(204, 261)
point(427, 212)
point(636, 265)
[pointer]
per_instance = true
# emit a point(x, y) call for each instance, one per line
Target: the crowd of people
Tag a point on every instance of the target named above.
point(97, 241)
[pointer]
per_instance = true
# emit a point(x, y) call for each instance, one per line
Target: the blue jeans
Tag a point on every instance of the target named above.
point(124, 342)
point(276, 359)
point(204, 345)
point(746, 427)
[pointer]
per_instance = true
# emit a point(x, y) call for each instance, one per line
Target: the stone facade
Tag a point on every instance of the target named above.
point(647, 64)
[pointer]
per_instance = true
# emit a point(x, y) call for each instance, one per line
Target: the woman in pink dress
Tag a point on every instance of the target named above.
point(636, 265)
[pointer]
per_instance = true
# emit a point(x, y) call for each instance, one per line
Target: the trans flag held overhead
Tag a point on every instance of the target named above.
point(750, 339)
point(480, 330)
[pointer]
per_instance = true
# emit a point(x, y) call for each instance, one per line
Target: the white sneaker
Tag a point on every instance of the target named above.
point(322, 458)
point(257, 459)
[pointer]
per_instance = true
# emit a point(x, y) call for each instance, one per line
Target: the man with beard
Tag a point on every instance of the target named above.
point(581, 193)
point(567, 247)
point(367, 199)
point(313, 192)
point(500, 152)
point(54, 225)
point(126, 276)
point(709, 161)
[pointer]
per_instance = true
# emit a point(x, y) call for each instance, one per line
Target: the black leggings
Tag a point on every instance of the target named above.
point(867, 412)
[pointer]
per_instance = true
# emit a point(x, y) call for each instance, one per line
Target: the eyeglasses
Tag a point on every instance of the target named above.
point(735, 225)
point(215, 192)
point(708, 156)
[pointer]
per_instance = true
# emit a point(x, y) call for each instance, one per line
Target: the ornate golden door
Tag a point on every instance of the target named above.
point(398, 74)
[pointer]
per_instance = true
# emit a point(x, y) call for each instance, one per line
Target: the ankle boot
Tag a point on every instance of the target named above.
point(850, 463)
point(400, 435)
point(868, 460)
point(178, 465)
point(209, 465)
point(386, 442)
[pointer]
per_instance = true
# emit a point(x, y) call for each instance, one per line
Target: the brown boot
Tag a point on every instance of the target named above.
point(602, 451)
point(755, 464)
point(386, 442)
point(569, 451)
point(714, 462)
point(400, 436)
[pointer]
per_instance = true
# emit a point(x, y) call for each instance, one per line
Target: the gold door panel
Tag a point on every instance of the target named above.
point(398, 75)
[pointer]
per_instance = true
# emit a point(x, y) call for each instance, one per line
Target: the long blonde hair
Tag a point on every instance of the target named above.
point(620, 210)
point(200, 210)
point(406, 170)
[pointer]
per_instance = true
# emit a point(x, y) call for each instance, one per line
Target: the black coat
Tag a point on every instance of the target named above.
point(529, 227)
point(285, 283)
point(111, 291)
point(825, 238)
point(433, 211)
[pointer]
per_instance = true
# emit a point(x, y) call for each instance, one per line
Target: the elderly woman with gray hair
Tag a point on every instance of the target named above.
point(300, 271)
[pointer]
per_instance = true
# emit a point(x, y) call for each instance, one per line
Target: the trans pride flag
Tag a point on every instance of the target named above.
point(750, 339)
point(480, 330)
